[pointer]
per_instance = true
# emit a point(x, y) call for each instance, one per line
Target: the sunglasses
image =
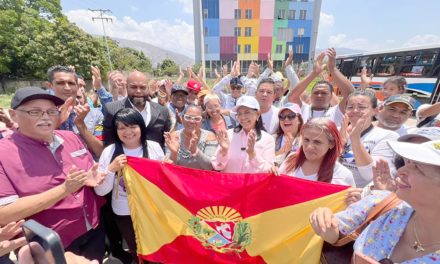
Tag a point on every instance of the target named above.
point(189, 118)
point(235, 87)
point(290, 117)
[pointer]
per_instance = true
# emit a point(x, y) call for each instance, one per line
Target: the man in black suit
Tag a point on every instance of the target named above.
point(156, 117)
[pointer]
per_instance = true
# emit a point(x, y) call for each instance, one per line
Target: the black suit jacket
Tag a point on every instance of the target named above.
point(159, 122)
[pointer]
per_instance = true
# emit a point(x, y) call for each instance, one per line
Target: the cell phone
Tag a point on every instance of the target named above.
point(44, 243)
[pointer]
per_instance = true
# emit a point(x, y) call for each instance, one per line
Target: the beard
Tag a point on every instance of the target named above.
point(138, 101)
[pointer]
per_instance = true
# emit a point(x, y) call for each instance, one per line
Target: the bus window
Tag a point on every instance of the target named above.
point(367, 62)
point(388, 65)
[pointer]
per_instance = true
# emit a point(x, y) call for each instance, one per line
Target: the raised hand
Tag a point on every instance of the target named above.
point(238, 68)
point(319, 65)
point(81, 112)
point(382, 176)
point(172, 142)
point(75, 179)
point(289, 58)
point(356, 129)
point(223, 141)
point(118, 163)
point(180, 72)
point(217, 75)
point(250, 149)
point(66, 109)
point(331, 54)
point(96, 77)
point(234, 70)
point(365, 78)
point(343, 130)
point(225, 70)
point(94, 177)
point(193, 142)
point(269, 62)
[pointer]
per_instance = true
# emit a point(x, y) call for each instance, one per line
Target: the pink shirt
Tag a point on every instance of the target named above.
point(237, 160)
point(28, 167)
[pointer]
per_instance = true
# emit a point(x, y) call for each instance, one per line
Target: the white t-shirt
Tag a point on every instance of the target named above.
point(120, 203)
point(375, 142)
point(270, 120)
point(341, 175)
point(333, 113)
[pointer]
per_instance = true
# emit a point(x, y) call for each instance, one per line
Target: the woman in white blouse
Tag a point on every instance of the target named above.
point(130, 140)
point(316, 159)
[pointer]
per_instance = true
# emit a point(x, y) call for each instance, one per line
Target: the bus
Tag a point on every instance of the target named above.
point(419, 65)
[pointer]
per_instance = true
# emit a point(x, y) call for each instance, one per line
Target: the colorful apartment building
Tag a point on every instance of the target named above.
point(250, 29)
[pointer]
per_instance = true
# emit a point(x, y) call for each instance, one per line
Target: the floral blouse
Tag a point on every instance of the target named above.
point(381, 236)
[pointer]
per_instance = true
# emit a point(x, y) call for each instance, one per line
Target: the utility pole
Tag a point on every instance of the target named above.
point(107, 19)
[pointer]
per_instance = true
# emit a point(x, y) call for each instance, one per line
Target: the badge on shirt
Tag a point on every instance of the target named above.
point(78, 152)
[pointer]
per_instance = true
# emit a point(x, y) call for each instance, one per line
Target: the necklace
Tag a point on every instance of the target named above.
point(417, 245)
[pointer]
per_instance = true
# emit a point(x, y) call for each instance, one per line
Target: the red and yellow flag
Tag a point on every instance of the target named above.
point(182, 215)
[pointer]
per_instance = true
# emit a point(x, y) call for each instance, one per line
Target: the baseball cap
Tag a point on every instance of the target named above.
point(248, 101)
point(177, 87)
point(426, 153)
point(292, 107)
point(236, 82)
point(27, 94)
point(193, 85)
point(401, 98)
point(429, 133)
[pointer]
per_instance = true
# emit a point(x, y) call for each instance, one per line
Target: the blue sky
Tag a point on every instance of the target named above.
point(356, 24)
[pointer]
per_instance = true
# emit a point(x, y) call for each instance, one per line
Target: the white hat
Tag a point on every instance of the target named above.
point(429, 133)
point(292, 107)
point(427, 153)
point(248, 101)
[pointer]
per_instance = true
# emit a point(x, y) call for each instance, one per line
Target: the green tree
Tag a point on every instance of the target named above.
point(168, 67)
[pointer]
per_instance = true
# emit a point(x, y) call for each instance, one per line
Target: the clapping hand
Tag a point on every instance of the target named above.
point(223, 141)
point(172, 142)
point(382, 177)
point(319, 65)
point(94, 177)
point(193, 142)
point(252, 138)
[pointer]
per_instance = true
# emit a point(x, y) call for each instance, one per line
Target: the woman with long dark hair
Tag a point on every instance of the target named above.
point(287, 137)
point(317, 157)
point(130, 140)
point(247, 148)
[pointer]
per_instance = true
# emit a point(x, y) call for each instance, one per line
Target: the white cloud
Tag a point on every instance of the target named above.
point(419, 40)
point(177, 36)
point(187, 5)
point(326, 20)
point(341, 40)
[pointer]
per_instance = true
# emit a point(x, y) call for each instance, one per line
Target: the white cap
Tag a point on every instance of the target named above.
point(428, 133)
point(427, 153)
point(248, 101)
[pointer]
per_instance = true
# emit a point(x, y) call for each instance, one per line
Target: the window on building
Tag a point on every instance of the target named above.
point(281, 14)
point(248, 13)
point(205, 31)
point(237, 48)
point(237, 31)
point(279, 49)
point(237, 13)
point(248, 31)
point(304, 0)
point(247, 48)
point(206, 48)
point(205, 13)
point(302, 14)
point(291, 14)
point(285, 34)
point(300, 48)
point(300, 32)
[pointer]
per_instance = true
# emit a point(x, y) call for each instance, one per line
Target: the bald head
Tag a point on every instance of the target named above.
point(137, 89)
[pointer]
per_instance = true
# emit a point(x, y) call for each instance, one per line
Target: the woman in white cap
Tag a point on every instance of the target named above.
point(287, 136)
point(316, 159)
point(246, 148)
point(410, 232)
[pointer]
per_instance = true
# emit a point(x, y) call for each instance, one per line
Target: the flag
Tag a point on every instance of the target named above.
point(183, 215)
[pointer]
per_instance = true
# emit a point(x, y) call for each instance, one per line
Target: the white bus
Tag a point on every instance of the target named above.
point(419, 65)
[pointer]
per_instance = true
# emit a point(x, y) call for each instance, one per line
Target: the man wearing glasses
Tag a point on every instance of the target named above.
point(47, 175)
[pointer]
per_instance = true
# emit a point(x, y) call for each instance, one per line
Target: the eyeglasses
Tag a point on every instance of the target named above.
point(40, 113)
point(189, 118)
point(290, 117)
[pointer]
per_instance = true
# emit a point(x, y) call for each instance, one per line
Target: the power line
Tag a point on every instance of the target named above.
point(101, 17)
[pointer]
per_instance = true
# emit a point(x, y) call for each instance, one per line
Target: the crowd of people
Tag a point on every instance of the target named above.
point(63, 148)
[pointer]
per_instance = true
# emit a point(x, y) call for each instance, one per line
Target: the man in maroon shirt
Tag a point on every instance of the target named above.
point(47, 175)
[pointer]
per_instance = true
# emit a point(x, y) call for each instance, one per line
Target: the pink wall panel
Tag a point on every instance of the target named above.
point(265, 46)
point(227, 45)
point(266, 27)
point(227, 27)
point(227, 8)
point(267, 9)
